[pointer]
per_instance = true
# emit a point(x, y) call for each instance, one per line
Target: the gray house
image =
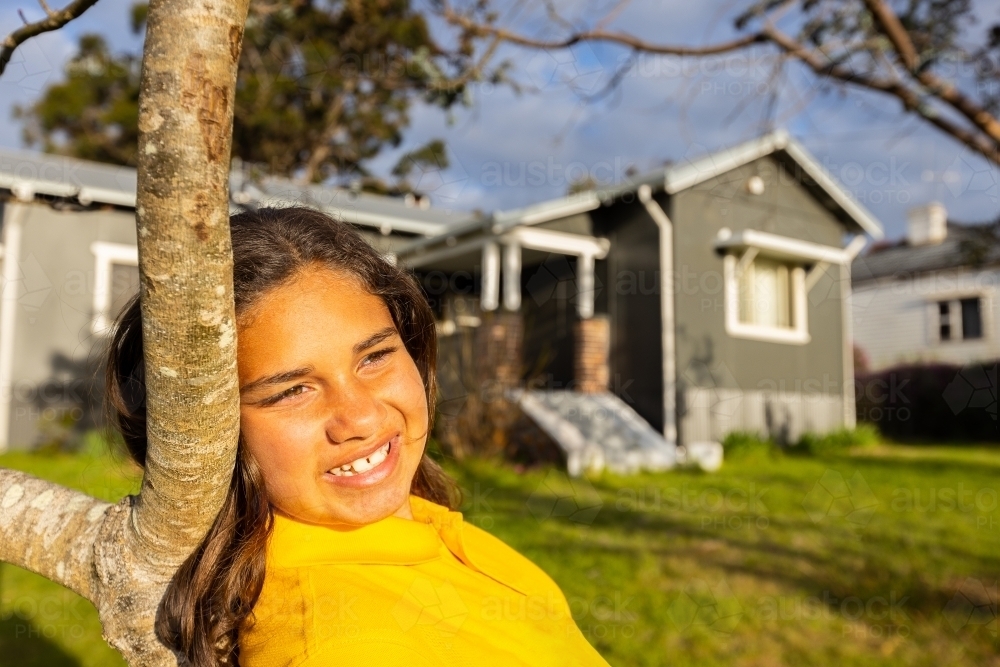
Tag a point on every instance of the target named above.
point(706, 297)
point(69, 264)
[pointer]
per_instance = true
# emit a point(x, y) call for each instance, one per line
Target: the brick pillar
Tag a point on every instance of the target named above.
point(590, 363)
point(498, 348)
point(489, 416)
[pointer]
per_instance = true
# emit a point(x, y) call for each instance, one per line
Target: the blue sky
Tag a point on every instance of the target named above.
point(509, 149)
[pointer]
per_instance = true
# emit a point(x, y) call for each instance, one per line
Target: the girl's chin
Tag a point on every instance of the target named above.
point(368, 506)
point(370, 510)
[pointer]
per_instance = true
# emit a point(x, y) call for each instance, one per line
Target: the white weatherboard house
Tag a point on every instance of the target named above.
point(933, 297)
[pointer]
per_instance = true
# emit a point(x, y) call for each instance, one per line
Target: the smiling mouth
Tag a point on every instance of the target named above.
point(364, 464)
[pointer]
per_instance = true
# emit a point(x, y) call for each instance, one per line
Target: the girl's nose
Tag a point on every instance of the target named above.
point(355, 413)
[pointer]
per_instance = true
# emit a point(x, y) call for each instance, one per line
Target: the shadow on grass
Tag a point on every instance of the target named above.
point(835, 559)
point(25, 645)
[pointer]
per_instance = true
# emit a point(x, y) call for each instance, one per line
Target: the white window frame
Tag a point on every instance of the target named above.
point(798, 334)
point(105, 256)
point(954, 300)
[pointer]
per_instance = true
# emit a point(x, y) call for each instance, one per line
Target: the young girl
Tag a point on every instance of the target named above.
point(338, 544)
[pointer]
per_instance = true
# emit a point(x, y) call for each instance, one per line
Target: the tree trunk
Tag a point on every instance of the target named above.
point(121, 557)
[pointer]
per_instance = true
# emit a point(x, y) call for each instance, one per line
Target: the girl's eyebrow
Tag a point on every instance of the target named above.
point(288, 376)
point(374, 339)
point(277, 378)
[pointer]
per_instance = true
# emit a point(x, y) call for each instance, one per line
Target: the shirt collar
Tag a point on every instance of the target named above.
point(390, 541)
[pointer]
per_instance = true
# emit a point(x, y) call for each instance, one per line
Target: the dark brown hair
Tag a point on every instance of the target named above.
point(214, 592)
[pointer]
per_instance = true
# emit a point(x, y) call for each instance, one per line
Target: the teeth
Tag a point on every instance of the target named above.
point(363, 464)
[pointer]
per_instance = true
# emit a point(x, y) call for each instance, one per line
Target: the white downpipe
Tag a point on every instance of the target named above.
point(490, 297)
point(512, 276)
point(585, 286)
point(847, 314)
point(14, 213)
point(666, 311)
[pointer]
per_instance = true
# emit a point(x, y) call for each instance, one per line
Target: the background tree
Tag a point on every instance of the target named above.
point(323, 88)
point(94, 112)
point(918, 52)
point(121, 557)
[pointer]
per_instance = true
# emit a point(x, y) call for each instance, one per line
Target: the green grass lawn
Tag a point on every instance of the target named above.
point(889, 556)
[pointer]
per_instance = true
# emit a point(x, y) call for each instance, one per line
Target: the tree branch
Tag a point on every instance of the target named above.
point(53, 21)
point(890, 26)
point(913, 100)
point(49, 529)
point(597, 35)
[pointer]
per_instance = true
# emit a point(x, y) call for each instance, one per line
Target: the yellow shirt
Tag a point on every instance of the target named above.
point(430, 592)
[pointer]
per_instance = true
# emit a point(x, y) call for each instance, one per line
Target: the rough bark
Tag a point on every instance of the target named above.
point(49, 529)
point(121, 557)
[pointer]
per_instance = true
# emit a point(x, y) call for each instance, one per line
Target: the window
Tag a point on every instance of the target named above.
point(765, 298)
point(765, 294)
point(944, 327)
point(116, 279)
point(960, 319)
point(124, 285)
point(972, 318)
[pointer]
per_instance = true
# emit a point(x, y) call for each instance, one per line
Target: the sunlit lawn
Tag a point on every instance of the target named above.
point(889, 556)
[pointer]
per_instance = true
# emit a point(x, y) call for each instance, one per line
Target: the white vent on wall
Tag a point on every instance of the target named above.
point(927, 224)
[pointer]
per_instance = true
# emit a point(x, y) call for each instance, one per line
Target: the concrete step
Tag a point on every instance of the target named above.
point(597, 431)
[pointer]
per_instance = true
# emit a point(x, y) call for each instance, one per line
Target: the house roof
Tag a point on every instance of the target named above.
point(677, 177)
point(964, 246)
point(87, 183)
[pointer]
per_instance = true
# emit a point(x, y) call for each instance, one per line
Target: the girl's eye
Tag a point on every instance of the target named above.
point(288, 393)
point(377, 357)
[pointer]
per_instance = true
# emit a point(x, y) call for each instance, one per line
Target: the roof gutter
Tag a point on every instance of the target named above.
point(503, 221)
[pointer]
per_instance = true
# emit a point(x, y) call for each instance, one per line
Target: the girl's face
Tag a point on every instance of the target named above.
point(332, 406)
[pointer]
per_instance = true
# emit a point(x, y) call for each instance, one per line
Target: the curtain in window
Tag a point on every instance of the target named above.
point(765, 290)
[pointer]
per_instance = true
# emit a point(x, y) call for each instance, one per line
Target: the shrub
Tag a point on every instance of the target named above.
point(744, 445)
point(931, 402)
point(864, 435)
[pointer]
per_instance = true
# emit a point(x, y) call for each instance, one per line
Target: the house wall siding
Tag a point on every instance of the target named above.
point(895, 321)
point(727, 383)
point(56, 355)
